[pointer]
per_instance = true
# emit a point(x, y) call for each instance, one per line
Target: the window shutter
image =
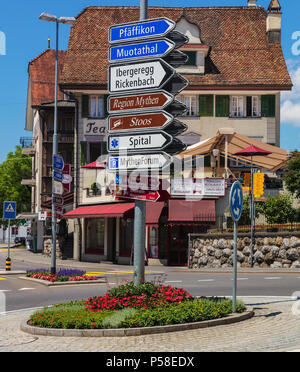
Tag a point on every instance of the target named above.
point(206, 105)
point(83, 153)
point(268, 104)
point(105, 106)
point(85, 106)
point(222, 106)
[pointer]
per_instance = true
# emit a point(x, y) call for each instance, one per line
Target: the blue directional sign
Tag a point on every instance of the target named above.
point(58, 175)
point(58, 163)
point(140, 30)
point(155, 48)
point(9, 210)
point(236, 201)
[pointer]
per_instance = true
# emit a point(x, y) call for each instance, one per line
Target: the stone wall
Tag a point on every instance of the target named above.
point(48, 247)
point(270, 250)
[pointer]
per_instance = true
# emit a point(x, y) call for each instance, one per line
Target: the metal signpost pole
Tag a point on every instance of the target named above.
point(236, 208)
point(140, 208)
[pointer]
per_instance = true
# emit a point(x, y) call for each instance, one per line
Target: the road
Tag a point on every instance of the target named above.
point(23, 294)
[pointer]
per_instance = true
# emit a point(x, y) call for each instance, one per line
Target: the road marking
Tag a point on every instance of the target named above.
point(206, 280)
point(26, 289)
point(273, 278)
point(242, 279)
point(3, 278)
point(174, 281)
point(112, 272)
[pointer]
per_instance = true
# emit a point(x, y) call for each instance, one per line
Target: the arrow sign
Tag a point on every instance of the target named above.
point(150, 49)
point(158, 100)
point(58, 176)
point(146, 121)
point(58, 163)
point(140, 30)
point(236, 201)
point(140, 75)
point(139, 161)
point(138, 142)
point(151, 196)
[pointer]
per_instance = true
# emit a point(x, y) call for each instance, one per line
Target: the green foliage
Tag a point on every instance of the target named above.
point(13, 170)
point(278, 209)
point(129, 289)
point(74, 315)
point(292, 177)
point(245, 218)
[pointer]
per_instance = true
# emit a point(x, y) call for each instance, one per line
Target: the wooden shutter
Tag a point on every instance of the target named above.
point(85, 106)
point(222, 106)
point(83, 153)
point(206, 105)
point(268, 104)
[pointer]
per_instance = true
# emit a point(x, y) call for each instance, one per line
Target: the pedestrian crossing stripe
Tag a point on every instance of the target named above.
point(112, 272)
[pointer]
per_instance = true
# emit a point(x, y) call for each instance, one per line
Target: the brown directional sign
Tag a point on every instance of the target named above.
point(145, 101)
point(150, 120)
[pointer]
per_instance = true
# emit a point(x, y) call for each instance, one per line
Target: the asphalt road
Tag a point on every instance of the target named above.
point(23, 294)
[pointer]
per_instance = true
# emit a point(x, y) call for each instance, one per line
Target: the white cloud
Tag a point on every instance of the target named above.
point(290, 101)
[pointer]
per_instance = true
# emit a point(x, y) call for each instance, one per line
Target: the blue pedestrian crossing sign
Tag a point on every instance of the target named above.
point(9, 210)
point(236, 201)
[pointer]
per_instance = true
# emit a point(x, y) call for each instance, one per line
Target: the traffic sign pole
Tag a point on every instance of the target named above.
point(236, 208)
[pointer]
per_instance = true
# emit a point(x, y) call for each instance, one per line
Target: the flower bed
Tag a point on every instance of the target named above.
point(130, 306)
point(64, 275)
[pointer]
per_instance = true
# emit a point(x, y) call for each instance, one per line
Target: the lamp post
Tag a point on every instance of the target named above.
point(66, 20)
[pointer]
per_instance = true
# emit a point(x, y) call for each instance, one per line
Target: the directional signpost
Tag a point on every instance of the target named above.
point(236, 208)
point(143, 81)
point(9, 213)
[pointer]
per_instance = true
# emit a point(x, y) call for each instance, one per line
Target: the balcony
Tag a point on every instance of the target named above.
point(26, 141)
point(28, 151)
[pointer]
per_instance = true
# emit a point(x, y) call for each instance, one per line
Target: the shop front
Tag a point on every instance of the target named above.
point(108, 230)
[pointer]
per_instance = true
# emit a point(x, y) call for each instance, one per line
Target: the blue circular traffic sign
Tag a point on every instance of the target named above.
point(236, 201)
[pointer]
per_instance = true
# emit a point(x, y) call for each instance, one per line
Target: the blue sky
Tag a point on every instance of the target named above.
point(26, 37)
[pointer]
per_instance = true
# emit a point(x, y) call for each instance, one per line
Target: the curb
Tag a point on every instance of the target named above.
point(125, 332)
point(3, 273)
point(58, 284)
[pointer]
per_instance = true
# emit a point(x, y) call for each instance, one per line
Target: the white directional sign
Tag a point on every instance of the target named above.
point(138, 76)
point(139, 142)
point(139, 162)
point(58, 188)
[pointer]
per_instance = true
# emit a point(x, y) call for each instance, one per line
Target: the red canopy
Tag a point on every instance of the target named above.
point(96, 165)
point(253, 151)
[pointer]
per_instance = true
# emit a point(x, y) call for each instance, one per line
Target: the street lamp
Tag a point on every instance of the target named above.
point(66, 20)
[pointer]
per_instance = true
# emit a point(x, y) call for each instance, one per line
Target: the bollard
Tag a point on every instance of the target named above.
point(8, 264)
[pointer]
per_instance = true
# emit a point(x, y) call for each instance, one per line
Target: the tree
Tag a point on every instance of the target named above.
point(245, 217)
point(279, 209)
point(292, 177)
point(13, 170)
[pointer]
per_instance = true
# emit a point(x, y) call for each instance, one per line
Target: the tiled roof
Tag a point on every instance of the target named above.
point(42, 77)
point(240, 54)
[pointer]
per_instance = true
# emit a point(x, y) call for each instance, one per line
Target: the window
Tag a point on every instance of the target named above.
point(253, 109)
point(97, 107)
point(237, 106)
point(268, 106)
point(192, 61)
point(191, 104)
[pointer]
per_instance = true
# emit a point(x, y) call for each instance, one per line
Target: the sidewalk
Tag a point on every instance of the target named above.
point(23, 255)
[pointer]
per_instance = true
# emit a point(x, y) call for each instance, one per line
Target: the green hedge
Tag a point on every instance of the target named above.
point(73, 315)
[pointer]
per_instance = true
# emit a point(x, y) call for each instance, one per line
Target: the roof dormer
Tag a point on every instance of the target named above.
point(196, 50)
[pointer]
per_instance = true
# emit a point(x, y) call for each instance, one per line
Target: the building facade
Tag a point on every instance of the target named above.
point(236, 72)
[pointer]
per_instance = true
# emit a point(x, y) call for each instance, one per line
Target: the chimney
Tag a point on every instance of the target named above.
point(252, 2)
point(274, 22)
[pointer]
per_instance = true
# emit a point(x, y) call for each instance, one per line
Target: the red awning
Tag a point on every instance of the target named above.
point(101, 211)
point(192, 211)
point(153, 212)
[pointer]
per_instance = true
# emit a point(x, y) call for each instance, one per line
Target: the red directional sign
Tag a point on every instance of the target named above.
point(150, 120)
point(150, 196)
point(144, 101)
